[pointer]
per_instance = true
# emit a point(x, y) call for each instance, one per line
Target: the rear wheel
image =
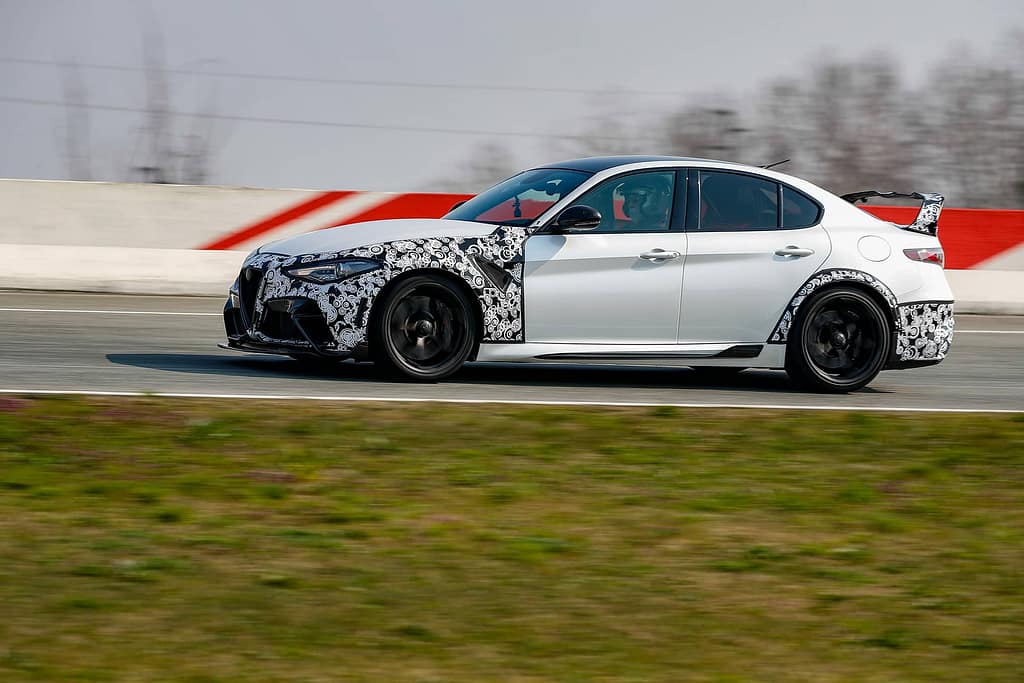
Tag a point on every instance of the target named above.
point(839, 341)
point(425, 329)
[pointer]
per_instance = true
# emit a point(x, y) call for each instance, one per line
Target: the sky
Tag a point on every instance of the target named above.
point(397, 95)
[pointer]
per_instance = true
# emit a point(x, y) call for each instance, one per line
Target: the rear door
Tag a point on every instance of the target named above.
point(752, 243)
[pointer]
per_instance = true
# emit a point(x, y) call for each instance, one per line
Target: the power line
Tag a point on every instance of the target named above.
point(324, 124)
point(355, 81)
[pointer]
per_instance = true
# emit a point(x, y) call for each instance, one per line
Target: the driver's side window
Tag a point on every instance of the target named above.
point(636, 202)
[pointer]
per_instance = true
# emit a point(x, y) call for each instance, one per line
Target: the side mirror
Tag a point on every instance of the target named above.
point(578, 218)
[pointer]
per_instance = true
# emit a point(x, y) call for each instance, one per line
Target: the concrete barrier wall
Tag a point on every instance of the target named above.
point(189, 217)
point(176, 239)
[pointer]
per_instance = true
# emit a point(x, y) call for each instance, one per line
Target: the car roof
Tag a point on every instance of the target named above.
point(598, 164)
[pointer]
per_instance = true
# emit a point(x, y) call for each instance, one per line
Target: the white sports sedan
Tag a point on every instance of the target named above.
point(614, 260)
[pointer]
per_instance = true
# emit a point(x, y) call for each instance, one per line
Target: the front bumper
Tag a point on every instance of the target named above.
point(287, 324)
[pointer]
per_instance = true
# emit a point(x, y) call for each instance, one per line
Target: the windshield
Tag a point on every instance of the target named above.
point(520, 199)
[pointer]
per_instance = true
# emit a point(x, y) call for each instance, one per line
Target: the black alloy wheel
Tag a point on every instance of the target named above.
point(839, 342)
point(425, 330)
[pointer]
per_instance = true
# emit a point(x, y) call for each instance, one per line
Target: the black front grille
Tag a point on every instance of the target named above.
point(314, 326)
point(249, 281)
point(296, 320)
point(279, 325)
point(233, 322)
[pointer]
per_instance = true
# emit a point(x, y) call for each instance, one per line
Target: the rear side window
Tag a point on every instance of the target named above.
point(798, 210)
point(731, 201)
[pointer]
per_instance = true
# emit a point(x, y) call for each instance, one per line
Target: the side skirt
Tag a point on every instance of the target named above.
point(668, 355)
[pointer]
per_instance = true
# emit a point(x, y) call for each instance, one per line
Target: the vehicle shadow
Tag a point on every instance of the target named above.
point(507, 374)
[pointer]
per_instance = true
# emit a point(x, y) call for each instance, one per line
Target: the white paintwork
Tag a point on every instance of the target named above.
point(909, 280)
point(596, 288)
point(874, 248)
point(735, 285)
point(732, 281)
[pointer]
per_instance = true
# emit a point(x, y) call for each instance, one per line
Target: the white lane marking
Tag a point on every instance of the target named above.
point(528, 402)
point(989, 332)
point(78, 310)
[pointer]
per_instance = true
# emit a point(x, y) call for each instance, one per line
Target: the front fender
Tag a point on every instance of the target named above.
point(492, 267)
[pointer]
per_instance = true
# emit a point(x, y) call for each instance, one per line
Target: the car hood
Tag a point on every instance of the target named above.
point(345, 237)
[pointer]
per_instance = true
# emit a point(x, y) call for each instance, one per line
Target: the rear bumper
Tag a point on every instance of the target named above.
point(924, 334)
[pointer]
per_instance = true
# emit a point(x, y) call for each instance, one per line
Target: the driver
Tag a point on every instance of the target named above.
point(646, 201)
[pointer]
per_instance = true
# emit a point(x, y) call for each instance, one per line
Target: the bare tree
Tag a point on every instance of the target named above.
point(978, 126)
point(849, 125)
point(169, 156)
point(169, 147)
point(779, 127)
point(77, 147)
point(614, 123)
point(715, 131)
point(487, 164)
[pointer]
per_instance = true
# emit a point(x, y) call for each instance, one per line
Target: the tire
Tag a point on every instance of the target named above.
point(839, 342)
point(425, 329)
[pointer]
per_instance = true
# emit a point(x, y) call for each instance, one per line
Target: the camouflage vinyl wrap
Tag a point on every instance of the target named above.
point(346, 305)
point(923, 331)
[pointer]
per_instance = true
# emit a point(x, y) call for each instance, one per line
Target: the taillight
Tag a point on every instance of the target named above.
point(926, 255)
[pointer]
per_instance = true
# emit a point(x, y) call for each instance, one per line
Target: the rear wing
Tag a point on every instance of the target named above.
point(927, 220)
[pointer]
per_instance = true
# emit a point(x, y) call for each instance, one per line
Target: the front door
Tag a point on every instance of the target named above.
point(617, 284)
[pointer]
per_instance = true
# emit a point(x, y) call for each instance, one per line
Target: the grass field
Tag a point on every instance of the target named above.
point(188, 540)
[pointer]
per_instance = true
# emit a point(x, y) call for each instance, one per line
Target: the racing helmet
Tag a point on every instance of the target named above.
point(644, 195)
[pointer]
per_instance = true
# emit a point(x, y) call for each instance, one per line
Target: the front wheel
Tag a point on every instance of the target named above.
point(425, 329)
point(839, 342)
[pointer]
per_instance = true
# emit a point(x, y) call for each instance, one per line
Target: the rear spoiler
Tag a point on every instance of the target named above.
point(927, 220)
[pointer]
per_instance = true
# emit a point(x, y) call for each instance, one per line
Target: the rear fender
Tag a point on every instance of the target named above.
point(922, 331)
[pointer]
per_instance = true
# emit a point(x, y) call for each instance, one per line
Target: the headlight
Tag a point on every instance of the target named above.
point(334, 271)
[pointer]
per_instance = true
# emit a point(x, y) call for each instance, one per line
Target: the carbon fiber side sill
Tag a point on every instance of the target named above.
point(739, 351)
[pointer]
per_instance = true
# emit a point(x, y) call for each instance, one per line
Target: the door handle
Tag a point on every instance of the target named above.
point(658, 255)
point(793, 250)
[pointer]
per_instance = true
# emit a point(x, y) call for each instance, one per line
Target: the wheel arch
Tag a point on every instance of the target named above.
point(887, 308)
point(834, 371)
point(830, 279)
point(448, 276)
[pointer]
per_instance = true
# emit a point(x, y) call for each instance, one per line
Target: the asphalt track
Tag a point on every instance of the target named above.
point(111, 343)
